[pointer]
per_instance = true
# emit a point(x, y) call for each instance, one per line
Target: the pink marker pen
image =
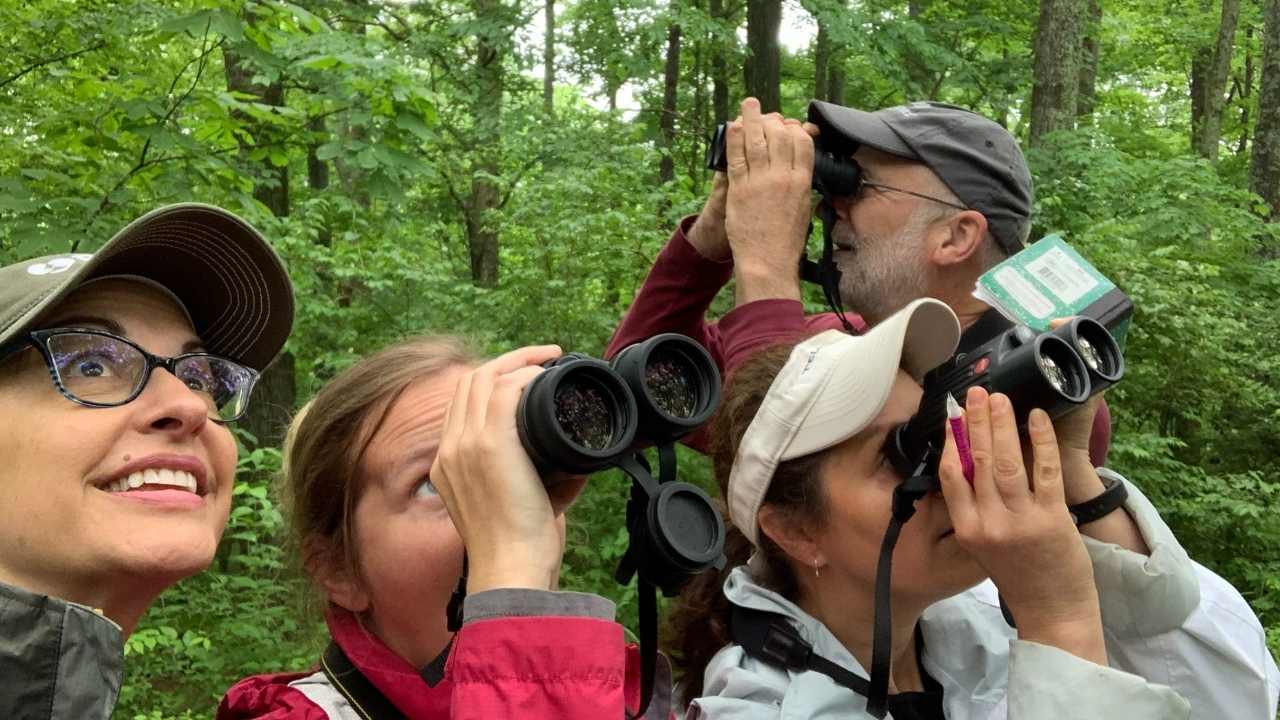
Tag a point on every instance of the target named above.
point(962, 437)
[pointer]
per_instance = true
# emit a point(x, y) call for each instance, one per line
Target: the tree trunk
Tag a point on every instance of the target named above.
point(317, 169)
point(821, 56)
point(271, 183)
point(719, 68)
point(1207, 133)
point(1246, 91)
point(1090, 49)
point(698, 115)
point(274, 396)
point(350, 174)
point(1264, 171)
point(835, 78)
point(549, 61)
point(762, 71)
point(486, 117)
point(274, 399)
point(1056, 75)
point(918, 73)
point(670, 91)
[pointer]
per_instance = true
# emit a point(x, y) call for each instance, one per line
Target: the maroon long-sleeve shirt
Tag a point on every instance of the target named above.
point(679, 290)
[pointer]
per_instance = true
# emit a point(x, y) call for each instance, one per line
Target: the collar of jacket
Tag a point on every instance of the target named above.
point(58, 659)
point(966, 640)
point(392, 675)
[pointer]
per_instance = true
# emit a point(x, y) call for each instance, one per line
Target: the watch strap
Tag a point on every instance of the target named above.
point(1112, 497)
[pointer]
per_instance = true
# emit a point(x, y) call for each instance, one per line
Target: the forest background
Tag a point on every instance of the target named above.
point(508, 171)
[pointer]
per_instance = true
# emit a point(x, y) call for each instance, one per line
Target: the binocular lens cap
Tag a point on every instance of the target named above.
point(689, 523)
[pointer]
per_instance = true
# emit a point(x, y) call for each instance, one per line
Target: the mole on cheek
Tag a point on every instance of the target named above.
point(127, 458)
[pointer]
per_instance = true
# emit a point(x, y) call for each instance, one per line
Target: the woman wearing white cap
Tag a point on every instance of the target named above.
point(119, 372)
point(1113, 619)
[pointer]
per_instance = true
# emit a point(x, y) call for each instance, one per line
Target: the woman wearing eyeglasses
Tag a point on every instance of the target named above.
point(119, 372)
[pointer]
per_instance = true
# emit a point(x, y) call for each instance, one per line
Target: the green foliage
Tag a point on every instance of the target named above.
point(108, 109)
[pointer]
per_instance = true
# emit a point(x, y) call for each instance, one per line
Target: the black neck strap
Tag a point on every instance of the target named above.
point(648, 599)
point(769, 637)
point(824, 272)
point(904, 506)
point(368, 702)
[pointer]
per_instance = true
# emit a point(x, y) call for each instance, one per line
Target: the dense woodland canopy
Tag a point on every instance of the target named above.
point(508, 171)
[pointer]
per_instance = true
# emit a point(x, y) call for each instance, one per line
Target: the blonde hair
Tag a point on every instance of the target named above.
point(328, 438)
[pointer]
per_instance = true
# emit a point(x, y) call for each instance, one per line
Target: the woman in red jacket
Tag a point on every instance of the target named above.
point(395, 467)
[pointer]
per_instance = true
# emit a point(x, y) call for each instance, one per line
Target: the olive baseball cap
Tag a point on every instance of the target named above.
point(230, 282)
point(974, 156)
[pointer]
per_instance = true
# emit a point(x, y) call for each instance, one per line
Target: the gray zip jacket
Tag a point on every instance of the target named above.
point(1182, 643)
point(57, 659)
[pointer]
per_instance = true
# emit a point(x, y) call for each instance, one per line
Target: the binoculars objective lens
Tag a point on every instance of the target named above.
point(584, 414)
point(671, 383)
point(582, 410)
point(1089, 353)
point(1053, 373)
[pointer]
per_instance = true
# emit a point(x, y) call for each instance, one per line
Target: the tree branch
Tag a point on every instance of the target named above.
point(201, 61)
point(50, 61)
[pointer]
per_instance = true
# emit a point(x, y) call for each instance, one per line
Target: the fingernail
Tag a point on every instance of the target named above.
point(999, 403)
point(976, 397)
point(1039, 419)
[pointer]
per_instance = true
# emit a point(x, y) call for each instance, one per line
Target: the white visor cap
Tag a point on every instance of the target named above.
point(831, 388)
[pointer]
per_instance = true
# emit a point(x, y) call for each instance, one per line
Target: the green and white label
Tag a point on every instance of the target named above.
point(1047, 280)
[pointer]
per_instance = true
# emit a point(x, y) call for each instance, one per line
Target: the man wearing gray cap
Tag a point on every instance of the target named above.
point(944, 194)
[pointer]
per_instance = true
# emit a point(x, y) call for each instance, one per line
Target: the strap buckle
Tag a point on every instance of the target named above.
point(785, 647)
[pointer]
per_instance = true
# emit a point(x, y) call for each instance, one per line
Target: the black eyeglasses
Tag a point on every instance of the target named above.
point(98, 369)
point(862, 182)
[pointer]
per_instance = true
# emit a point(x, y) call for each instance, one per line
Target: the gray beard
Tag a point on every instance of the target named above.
point(881, 275)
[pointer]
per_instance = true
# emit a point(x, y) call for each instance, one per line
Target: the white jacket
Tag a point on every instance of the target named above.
point(1182, 643)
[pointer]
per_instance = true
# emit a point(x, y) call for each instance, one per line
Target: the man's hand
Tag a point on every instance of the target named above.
point(770, 170)
point(707, 235)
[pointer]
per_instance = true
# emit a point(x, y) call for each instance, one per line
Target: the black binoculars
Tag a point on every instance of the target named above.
point(583, 414)
point(1056, 371)
point(835, 174)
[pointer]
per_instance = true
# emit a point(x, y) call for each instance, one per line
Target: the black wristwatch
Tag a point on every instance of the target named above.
point(1111, 498)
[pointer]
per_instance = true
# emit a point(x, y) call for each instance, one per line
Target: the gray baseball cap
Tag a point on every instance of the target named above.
point(975, 157)
point(226, 277)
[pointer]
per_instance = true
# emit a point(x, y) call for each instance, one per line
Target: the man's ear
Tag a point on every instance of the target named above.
point(798, 540)
point(331, 571)
point(964, 234)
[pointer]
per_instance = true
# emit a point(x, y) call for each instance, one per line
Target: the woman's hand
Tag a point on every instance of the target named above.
point(1018, 528)
point(510, 524)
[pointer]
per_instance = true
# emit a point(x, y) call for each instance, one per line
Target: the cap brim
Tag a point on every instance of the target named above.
point(858, 127)
point(231, 283)
point(917, 338)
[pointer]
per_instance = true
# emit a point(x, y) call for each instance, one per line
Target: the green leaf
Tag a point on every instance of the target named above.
point(414, 124)
point(328, 151)
point(319, 62)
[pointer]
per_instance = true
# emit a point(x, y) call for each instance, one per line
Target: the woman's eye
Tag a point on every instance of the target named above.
point(425, 489)
point(92, 366)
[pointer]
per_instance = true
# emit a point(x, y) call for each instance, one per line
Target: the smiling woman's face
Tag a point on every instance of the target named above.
point(68, 526)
